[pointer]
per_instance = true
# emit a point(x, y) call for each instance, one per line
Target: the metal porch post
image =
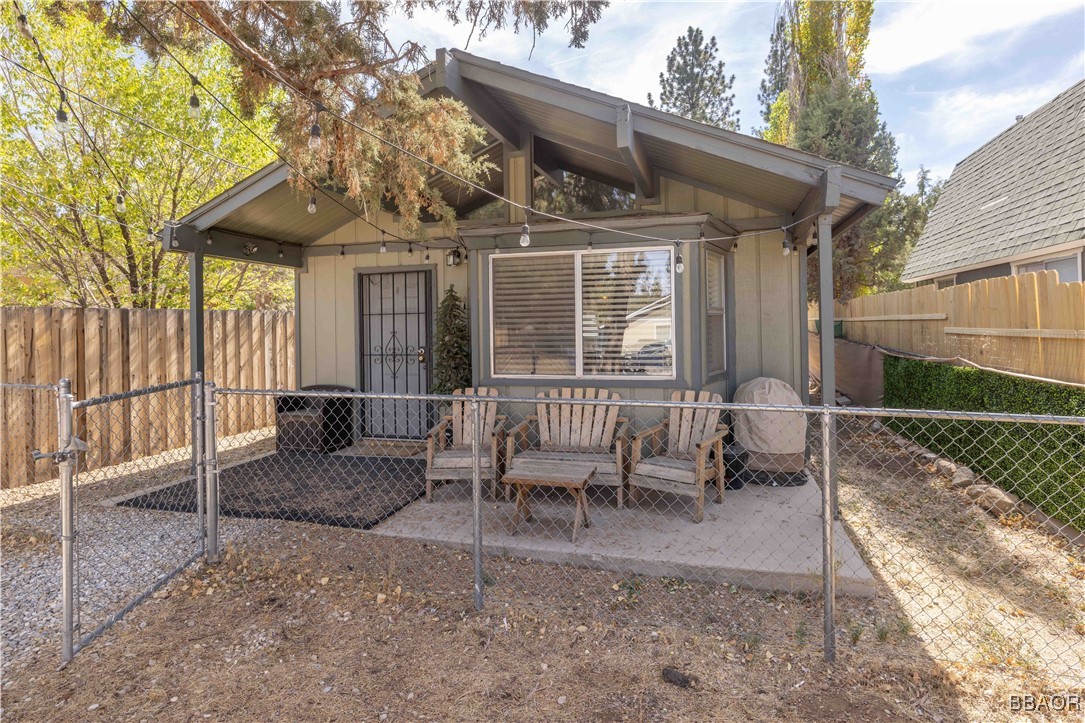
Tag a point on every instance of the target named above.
point(195, 309)
point(828, 426)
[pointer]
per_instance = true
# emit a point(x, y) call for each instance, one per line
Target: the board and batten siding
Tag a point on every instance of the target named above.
point(327, 306)
point(765, 325)
point(765, 293)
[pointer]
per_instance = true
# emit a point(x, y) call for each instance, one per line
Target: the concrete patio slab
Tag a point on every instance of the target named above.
point(763, 538)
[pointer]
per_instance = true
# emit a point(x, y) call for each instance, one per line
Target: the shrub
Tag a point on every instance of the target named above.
point(1041, 463)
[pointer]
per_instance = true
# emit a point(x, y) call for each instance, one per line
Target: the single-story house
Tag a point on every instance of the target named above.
point(691, 307)
point(1015, 205)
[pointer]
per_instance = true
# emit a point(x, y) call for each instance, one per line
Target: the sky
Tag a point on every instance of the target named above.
point(949, 75)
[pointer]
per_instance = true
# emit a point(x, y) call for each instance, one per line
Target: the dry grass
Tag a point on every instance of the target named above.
point(330, 624)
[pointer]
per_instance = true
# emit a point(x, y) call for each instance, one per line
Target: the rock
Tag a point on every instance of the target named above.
point(929, 457)
point(946, 467)
point(381, 597)
point(562, 700)
point(582, 628)
point(843, 401)
point(93, 706)
point(963, 477)
point(678, 678)
point(993, 499)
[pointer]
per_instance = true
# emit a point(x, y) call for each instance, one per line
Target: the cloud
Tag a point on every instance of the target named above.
point(968, 116)
point(907, 35)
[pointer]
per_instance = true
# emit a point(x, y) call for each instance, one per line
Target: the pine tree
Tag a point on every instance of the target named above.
point(451, 346)
point(776, 68)
point(695, 85)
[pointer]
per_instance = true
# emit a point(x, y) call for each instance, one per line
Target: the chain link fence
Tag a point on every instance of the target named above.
point(957, 530)
point(955, 535)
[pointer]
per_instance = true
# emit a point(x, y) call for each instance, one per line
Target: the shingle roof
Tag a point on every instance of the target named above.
point(1023, 191)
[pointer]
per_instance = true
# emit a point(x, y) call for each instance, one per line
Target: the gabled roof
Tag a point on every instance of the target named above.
point(564, 128)
point(1022, 192)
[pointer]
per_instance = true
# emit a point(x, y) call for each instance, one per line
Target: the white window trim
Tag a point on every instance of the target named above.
point(579, 372)
point(951, 278)
point(1075, 254)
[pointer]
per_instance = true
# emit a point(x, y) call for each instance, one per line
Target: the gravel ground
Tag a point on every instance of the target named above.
point(121, 551)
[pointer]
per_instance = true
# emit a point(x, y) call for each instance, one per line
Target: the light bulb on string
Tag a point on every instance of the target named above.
point(384, 244)
point(122, 207)
point(280, 251)
point(150, 235)
point(410, 249)
point(314, 137)
point(63, 125)
point(426, 258)
point(194, 101)
point(23, 25)
point(312, 203)
point(525, 236)
point(679, 265)
point(590, 247)
point(342, 250)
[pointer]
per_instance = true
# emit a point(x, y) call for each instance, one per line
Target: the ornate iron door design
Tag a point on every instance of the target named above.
point(395, 341)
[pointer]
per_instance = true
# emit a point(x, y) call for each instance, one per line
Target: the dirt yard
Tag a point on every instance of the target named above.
point(332, 624)
point(305, 622)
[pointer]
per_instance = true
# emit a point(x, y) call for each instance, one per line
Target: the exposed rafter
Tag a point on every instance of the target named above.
point(483, 107)
point(633, 153)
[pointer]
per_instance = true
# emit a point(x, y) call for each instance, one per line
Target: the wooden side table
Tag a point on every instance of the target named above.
point(573, 476)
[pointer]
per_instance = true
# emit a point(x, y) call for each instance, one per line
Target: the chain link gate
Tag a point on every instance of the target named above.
point(110, 451)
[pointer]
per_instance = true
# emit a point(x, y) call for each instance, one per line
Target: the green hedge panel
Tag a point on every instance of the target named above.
point(1041, 463)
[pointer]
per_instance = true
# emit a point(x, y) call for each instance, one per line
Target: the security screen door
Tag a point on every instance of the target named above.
point(395, 353)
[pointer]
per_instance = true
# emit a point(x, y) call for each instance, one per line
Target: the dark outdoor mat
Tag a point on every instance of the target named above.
point(341, 491)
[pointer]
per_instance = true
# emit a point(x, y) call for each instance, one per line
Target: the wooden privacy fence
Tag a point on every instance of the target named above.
point(108, 351)
point(1028, 324)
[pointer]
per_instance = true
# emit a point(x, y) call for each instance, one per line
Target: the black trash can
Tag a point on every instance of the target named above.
point(314, 424)
point(734, 461)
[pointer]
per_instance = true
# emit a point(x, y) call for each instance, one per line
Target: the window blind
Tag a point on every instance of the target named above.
point(534, 315)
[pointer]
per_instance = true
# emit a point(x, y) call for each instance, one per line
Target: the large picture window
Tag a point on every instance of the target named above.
point(584, 314)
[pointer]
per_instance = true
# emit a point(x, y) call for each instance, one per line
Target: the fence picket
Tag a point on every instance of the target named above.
point(106, 351)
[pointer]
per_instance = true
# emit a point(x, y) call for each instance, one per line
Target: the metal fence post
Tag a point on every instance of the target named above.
point(199, 465)
point(211, 472)
point(476, 495)
point(828, 571)
point(66, 464)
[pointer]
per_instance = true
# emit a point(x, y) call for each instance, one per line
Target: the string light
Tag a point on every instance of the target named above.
point(150, 235)
point(63, 125)
point(426, 259)
point(384, 245)
point(314, 137)
point(342, 250)
point(280, 251)
point(23, 26)
point(410, 249)
point(122, 207)
point(679, 265)
point(312, 203)
point(525, 236)
point(590, 242)
point(194, 100)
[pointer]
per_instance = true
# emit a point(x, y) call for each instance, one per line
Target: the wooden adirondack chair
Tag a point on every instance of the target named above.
point(446, 462)
point(679, 464)
point(570, 432)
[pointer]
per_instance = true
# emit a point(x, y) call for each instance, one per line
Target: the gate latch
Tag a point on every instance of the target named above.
point(74, 447)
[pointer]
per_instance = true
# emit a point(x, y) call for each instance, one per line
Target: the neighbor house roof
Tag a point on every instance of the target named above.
point(1022, 192)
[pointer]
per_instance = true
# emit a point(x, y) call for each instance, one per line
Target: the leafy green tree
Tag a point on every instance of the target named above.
point(451, 346)
point(86, 252)
point(341, 72)
point(894, 230)
point(695, 85)
point(820, 41)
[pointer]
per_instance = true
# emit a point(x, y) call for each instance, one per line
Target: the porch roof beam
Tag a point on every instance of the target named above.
point(546, 166)
point(634, 155)
point(822, 198)
point(490, 114)
point(229, 245)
